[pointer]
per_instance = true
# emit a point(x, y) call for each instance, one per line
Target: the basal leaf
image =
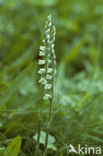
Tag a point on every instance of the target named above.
point(51, 140)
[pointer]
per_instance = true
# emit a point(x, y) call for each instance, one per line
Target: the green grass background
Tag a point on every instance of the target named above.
point(78, 101)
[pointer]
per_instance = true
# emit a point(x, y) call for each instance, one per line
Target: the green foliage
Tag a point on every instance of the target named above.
point(78, 104)
point(51, 140)
point(14, 147)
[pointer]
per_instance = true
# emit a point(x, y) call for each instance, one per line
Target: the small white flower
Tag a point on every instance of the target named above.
point(43, 81)
point(55, 57)
point(48, 77)
point(54, 63)
point(49, 70)
point(47, 36)
point(55, 72)
point(49, 24)
point(41, 71)
point(48, 86)
point(52, 46)
point(42, 48)
point(52, 51)
point(47, 97)
point(47, 31)
point(41, 62)
point(41, 53)
point(49, 61)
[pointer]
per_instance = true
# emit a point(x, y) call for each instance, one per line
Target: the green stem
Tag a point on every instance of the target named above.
point(40, 121)
point(49, 121)
point(49, 124)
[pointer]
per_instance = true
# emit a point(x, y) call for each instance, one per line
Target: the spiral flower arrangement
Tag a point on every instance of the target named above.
point(48, 60)
point(47, 72)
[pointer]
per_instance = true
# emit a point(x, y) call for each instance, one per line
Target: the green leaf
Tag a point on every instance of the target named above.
point(14, 147)
point(51, 140)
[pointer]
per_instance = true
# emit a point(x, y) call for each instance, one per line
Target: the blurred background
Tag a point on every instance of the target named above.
point(78, 101)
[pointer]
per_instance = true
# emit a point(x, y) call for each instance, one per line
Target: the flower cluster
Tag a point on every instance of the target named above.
point(47, 62)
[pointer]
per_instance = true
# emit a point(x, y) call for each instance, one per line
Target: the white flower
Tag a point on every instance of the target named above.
point(47, 36)
point(47, 97)
point(42, 48)
point(47, 30)
point(54, 63)
point(49, 61)
point(55, 57)
point(50, 70)
point(41, 53)
point(49, 24)
point(53, 52)
point(41, 62)
point(41, 71)
point(48, 86)
point(55, 72)
point(43, 81)
point(48, 77)
point(52, 46)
